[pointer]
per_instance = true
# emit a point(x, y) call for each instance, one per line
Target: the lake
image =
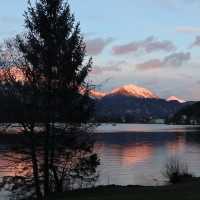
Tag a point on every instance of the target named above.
point(137, 153)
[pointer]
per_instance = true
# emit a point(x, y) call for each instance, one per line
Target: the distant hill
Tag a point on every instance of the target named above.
point(122, 108)
point(128, 103)
point(189, 114)
point(131, 103)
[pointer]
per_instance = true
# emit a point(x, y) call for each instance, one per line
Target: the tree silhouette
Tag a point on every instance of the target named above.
point(53, 98)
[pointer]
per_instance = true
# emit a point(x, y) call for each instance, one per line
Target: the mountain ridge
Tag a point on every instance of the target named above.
point(133, 91)
point(174, 98)
point(127, 90)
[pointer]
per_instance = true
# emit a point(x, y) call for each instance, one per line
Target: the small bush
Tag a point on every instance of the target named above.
point(177, 171)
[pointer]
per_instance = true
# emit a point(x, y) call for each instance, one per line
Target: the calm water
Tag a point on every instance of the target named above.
point(136, 154)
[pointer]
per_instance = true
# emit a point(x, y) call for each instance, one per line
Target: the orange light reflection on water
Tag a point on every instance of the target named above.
point(131, 155)
point(176, 146)
point(127, 155)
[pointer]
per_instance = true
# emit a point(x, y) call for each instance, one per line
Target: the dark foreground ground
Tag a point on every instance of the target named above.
point(185, 191)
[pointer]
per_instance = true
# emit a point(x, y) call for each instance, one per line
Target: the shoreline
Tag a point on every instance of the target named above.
point(184, 191)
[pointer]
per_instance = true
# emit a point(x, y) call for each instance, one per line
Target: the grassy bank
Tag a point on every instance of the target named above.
point(185, 191)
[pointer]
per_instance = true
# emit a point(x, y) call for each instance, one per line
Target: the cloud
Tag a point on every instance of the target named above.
point(173, 60)
point(196, 42)
point(191, 1)
point(111, 67)
point(149, 45)
point(198, 82)
point(175, 3)
point(150, 64)
point(100, 70)
point(188, 29)
point(177, 59)
point(96, 46)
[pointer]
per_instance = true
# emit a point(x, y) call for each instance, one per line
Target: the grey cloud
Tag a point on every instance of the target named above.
point(173, 60)
point(150, 64)
point(111, 67)
point(176, 59)
point(97, 45)
point(198, 82)
point(196, 42)
point(149, 45)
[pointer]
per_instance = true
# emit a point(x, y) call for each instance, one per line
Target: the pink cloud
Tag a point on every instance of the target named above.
point(188, 29)
point(149, 45)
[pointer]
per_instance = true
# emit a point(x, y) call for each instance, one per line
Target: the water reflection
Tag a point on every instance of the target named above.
point(131, 157)
point(126, 155)
point(110, 128)
point(139, 158)
point(177, 146)
point(14, 164)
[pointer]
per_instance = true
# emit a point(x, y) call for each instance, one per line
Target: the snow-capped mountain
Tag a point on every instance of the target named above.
point(174, 98)
point(131, 103)
point(135, 91)
point(127, 90)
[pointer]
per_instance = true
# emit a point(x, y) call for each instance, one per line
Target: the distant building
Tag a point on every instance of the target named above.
point(157, 121)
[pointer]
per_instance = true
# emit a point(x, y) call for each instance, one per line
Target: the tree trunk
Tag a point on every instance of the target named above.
point(35, 167)
point(46, 163)
point(58, 186)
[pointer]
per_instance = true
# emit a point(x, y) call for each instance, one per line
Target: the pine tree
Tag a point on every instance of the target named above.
point(54, 89)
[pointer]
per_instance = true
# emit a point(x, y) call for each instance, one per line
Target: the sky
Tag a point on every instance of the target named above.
point(150, 43)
